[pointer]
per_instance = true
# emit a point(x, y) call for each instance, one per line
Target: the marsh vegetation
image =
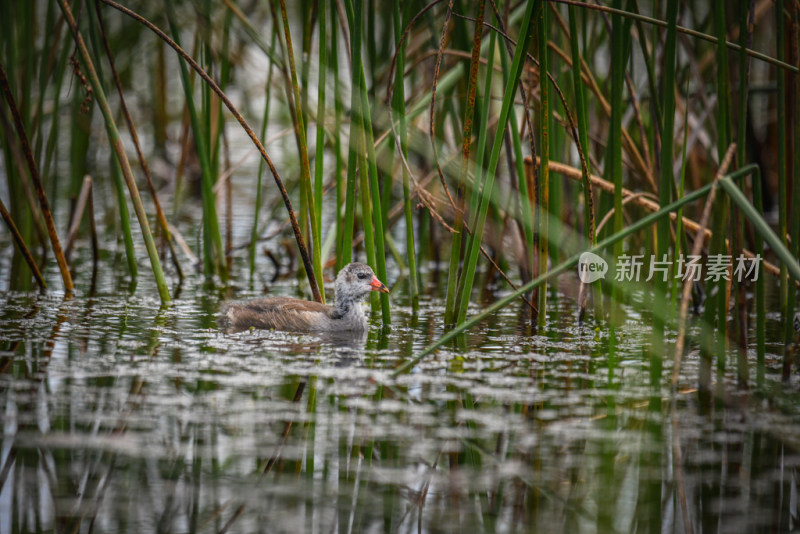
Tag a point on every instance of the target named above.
point(159, 160)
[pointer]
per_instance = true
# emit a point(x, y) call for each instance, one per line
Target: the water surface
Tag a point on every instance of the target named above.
point(119, 416)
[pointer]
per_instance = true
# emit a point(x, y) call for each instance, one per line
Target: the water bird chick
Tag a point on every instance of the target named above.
point(353, 283)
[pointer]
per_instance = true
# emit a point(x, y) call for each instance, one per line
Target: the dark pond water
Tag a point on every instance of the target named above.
point(119, 416)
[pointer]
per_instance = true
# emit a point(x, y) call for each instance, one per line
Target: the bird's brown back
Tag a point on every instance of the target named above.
point(278, 313)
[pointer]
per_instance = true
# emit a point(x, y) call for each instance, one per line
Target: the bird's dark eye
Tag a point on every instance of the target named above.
point(363, 276)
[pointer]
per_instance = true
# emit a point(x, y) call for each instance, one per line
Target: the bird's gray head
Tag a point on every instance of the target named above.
point(354, 282)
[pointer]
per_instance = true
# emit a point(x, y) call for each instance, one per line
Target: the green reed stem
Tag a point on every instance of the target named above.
point(583, 137)
point(305, 169)
point(374, 195)
point(480, 155)
point(399, 106)
point(715, 342)
point(58, 80)
point(763, 228)
point(116, 171)
point(543, 209)
point(760, 294)
point(614, 159)
point(46, 68)
point(346, 243)
point(124, 217)
point(116, 143)
point(468, 273)
point(526, 207)
point(160, 217)
point(213, 254)
point(679, 222)
point(741, 311)
point(319, 157)
point(251, 256)
point(366, 209)
point(469, 112)
point(782, 196)
point(338, 106)
point(794, 89)
point(580, 111)
point(666, 183)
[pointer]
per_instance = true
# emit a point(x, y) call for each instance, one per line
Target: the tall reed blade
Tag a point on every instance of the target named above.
point(162, 220)
point(543, 209)
point(399, 108)
point(738, 222)
point(254, 231)
point(666, 183)
point(613, 167)
point(305, 168)
point(787, 258)
point(319, 156)
point(794, 133)
point(468, 273)
point(714, 340)
point(346, 243)
point(338, 109)
point(374, 196)
point(787, 292)
point(116, 144)
point(466, 144)
point(213, 256)
point(124, 216)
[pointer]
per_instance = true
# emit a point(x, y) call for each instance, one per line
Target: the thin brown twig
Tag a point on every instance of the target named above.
point(628, 144)
point(626, 200)
point(19, 163)
point(77, 215)
point(699, 241)
point(571, 121)
point(250, 133)
point(37, 183)
point(646, 163)
point(423, 195)
point(681, 29)
point(689, 224)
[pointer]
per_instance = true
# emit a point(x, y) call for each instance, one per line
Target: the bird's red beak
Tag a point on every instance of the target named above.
point(377, 285)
